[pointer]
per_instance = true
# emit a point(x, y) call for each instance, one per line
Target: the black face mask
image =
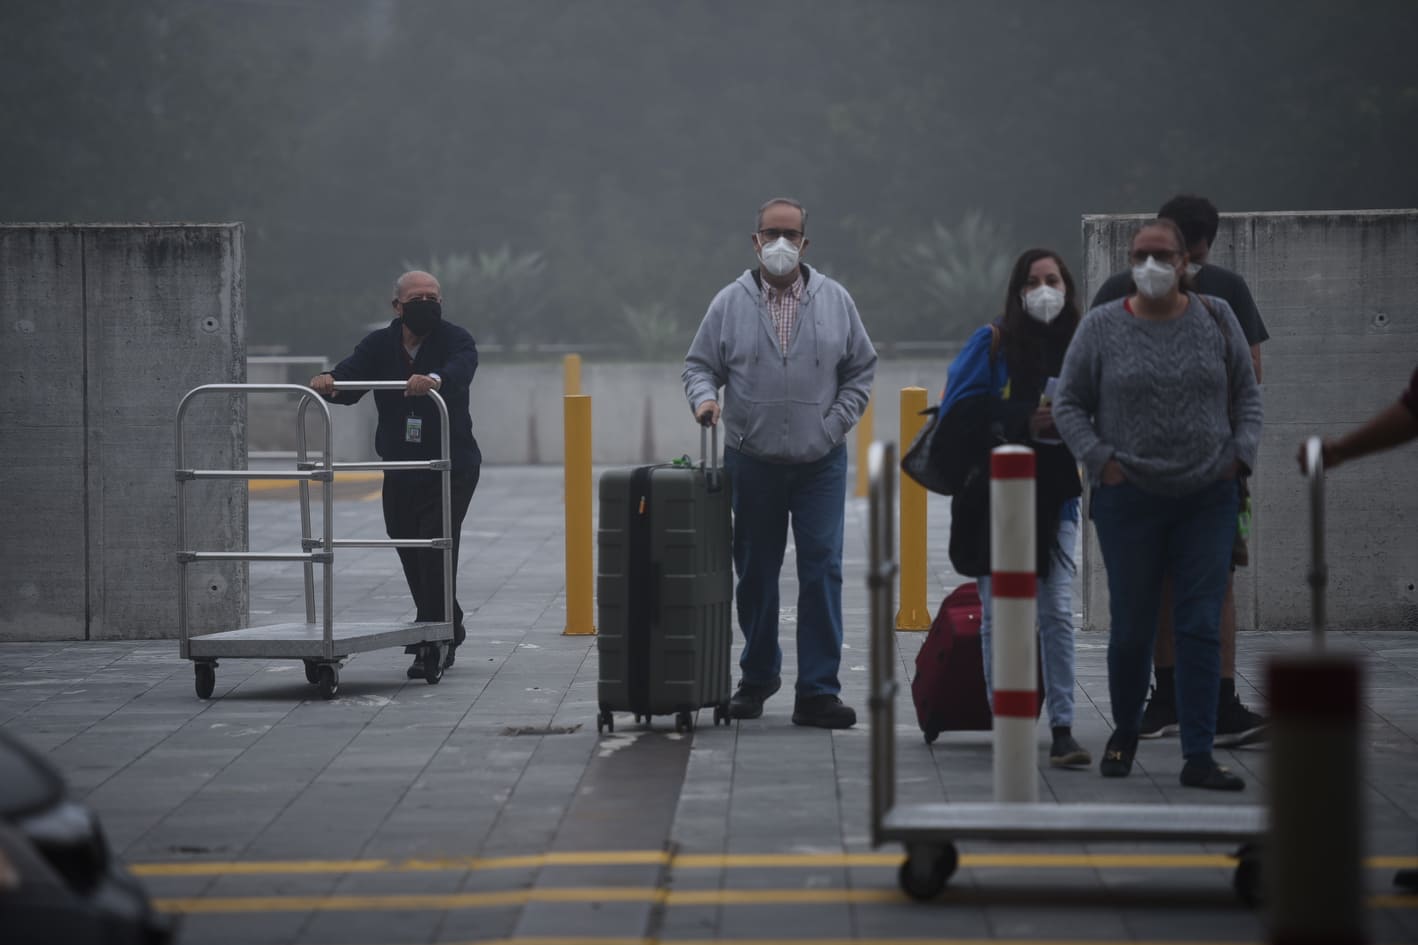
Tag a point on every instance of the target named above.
point(420, 315)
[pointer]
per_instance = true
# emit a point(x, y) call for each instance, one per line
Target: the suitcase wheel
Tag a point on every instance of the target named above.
point(605, 721)
point(721, 714)
point(1247, 878)
point(931, 735)
point(926, 870)
point(684, 722)
point(206, 678)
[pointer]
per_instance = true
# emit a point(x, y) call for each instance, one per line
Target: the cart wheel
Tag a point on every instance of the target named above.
point(312, 672)
point(329, 681)
point(1247, 879)
point(432, 658)
point(206, 679)
point(721, 714)
point(931, 735)
point(927, 870)
point(684, 722)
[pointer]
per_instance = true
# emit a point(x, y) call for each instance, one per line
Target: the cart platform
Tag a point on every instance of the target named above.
point(1089, 823)
point(307, 640)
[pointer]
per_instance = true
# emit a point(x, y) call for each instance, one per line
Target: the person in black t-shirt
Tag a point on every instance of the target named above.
point(1235, 724)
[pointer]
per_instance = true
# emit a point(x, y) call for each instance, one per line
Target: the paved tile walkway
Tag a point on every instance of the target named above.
point(487, 808)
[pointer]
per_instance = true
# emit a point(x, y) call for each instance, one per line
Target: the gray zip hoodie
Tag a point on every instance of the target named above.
point(784, 407)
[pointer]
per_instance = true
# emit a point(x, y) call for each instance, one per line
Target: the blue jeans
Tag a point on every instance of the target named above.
point(766, 496)
point(1055, 607)
point(1143, 538)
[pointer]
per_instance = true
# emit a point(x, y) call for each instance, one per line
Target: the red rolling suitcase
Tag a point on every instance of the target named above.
point(949, 688)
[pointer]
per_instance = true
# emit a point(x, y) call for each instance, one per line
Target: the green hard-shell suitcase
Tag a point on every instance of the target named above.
point(664, 591)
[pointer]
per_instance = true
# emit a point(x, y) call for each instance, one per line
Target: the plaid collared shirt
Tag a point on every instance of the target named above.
point(783, 309)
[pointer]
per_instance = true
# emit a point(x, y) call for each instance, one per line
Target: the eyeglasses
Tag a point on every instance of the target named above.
point(1166, 257)
point(773, 233)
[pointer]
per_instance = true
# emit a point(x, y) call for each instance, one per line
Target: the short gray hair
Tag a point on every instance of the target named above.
point(399, 282)
point(785, 201)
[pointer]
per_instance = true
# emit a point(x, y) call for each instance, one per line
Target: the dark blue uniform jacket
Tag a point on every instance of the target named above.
point(450, 352)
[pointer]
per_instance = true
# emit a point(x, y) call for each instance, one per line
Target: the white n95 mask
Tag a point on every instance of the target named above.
point(1043, 303)
point(1153, 279)
point(780, 257)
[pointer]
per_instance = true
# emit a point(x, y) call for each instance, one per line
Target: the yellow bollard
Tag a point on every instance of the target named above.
point(913, 614)
point(864, 431)
point(580, 603)
point(571, 374)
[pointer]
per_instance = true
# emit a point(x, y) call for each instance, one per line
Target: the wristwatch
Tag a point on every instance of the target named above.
point(437, 380)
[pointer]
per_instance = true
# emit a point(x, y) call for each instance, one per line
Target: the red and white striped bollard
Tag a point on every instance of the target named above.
point(1013, 591)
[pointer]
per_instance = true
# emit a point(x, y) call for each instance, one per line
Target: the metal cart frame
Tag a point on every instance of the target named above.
point(929, 832)
point(320, 645)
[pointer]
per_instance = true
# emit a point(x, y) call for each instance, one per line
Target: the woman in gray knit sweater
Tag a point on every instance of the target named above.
point(1157, 399)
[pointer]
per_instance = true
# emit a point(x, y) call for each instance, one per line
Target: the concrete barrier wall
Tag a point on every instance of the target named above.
point(1336, 291)
point(639, 413)
point(105, 328)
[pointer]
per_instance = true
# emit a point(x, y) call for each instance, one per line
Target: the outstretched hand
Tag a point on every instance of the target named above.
point(419, 385)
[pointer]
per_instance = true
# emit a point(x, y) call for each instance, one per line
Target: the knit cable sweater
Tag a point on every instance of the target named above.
point(1154, 395)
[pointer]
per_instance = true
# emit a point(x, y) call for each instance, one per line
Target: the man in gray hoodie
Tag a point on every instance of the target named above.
point(788, 348)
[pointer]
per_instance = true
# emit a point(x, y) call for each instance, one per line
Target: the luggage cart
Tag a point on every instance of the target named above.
point(929, 832)
point(319, 644)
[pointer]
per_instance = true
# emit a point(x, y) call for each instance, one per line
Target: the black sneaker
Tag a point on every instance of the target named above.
point(1118, 756)
point(1236, 725)
point(448, 657)
point(415, 671)
point(1067, 753)
point(1205, 773)
point(1159, 717)
point(823, 711)
point(747, 701)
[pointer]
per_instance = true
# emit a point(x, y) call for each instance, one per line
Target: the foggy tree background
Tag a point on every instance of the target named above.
point(586, 172)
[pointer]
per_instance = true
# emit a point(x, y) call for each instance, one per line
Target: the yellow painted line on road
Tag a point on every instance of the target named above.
point(877, 939)
point(713, 861)
point(518, 897)
point(564, 940)
point(272, 485)
point(534, 861)
point(521, 897)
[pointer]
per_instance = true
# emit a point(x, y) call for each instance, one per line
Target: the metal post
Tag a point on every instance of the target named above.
point(881, 583)
point(1313, 871)
point(327, 492)
point(183, 630)
point(864, 435)
point(1013, 576)
point(580, 603)
point(914, 613)
point(1319, 571)
point(571, 374)
point(301, 457)
point(1313, 857)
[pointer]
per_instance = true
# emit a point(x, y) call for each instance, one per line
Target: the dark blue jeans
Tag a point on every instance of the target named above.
point(766, 497)
point(1144, 537)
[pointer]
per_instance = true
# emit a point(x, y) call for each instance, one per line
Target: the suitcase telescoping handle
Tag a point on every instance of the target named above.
point(708, 454)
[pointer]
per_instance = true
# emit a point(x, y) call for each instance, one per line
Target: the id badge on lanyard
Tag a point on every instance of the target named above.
point(413, 426)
